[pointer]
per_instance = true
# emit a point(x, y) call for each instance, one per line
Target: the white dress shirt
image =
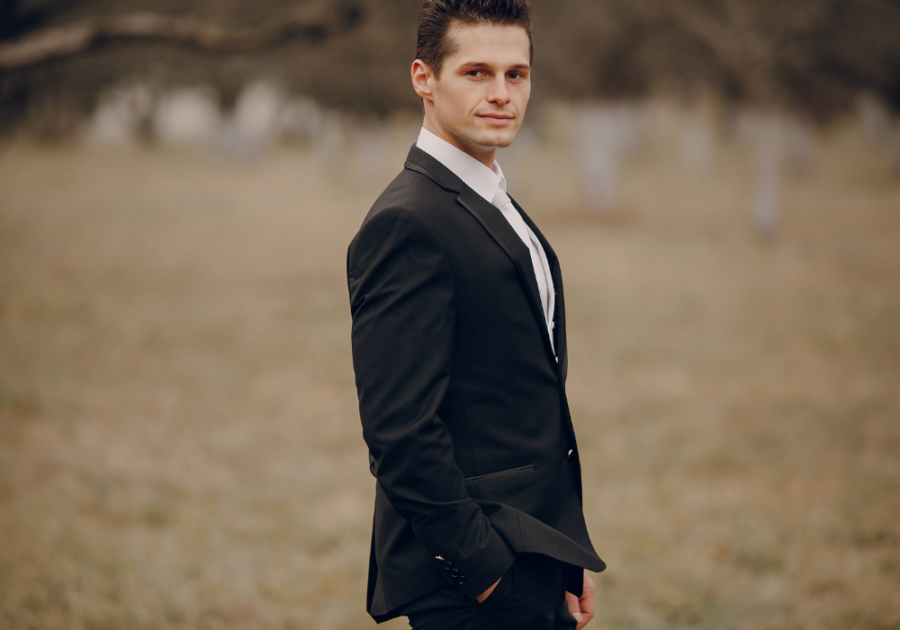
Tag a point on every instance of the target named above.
point(491, 184)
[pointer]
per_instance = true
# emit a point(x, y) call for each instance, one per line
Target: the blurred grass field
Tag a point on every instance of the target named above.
point(179, 440)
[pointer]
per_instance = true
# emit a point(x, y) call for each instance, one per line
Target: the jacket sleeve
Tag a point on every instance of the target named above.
point(402, 303)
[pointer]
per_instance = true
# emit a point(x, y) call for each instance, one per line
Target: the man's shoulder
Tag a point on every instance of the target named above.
point(410, 215)
point(412, 190)
point(404, 204)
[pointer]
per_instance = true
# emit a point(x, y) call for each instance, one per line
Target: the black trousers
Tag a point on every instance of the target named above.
point(531, 596)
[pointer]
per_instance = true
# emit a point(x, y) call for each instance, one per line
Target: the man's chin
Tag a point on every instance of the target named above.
point(497, 141)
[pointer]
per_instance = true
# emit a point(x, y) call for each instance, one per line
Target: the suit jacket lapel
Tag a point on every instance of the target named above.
point(496, 225)
point(502, 232)
point(559, 314)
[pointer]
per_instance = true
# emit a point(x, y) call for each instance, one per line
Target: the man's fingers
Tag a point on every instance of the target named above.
point(582, 608)
point(587, 597)
point(575, 608)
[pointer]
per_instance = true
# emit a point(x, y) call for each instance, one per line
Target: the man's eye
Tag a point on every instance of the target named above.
point(474, 73)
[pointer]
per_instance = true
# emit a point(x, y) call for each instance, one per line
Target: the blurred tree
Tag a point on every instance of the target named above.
point(809, 56)
point(79, 36)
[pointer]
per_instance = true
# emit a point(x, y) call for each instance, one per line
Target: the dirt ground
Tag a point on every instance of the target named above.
point(179, 440)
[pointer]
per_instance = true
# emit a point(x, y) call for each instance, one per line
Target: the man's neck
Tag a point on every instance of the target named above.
point(485, 155)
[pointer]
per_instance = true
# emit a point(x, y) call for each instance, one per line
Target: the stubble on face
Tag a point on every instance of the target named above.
point(479, 101)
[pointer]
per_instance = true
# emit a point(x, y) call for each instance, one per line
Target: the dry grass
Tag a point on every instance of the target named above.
point(179, 444)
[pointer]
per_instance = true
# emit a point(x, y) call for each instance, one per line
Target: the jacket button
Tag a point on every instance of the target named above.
point(454, 573)
point(462, 580)
point(569, 456)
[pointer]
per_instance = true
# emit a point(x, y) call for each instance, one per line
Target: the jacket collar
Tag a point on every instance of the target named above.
point(484, 180)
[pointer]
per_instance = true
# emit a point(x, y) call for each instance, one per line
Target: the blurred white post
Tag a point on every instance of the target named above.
point(188, 116)
point(767, 188)
point(631, 128)
point(696, 142)
point(598, 153)
point(122, 115)
point(302, 121)
point(799, 145)
point(330, 144)
point(255, 122)
point(880, 126)
point(874, 118)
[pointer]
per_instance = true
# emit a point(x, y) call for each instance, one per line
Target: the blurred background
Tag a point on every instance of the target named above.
point(179, 439)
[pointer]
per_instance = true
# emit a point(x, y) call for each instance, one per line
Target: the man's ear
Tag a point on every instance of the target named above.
point(421, 78)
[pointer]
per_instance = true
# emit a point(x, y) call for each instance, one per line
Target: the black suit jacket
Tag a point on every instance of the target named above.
point(463, 404)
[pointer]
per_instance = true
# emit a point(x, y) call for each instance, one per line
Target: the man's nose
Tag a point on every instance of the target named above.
point(499, 92)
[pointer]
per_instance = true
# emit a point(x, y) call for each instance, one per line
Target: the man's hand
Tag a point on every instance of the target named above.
point(582, 608)
point(488, 592)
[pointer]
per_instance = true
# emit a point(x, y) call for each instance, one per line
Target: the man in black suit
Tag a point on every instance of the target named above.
point(459, 349)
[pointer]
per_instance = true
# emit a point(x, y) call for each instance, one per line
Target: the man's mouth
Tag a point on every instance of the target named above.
point(497, 119)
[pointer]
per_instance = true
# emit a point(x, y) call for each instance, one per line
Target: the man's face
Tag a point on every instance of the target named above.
point(479, 101)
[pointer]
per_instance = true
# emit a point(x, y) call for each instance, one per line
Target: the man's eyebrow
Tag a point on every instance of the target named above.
point(482, 64)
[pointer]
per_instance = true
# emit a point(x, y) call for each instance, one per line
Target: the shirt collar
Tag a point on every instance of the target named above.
point(483, 180)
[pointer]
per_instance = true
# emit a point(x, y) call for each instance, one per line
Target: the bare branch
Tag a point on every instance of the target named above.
point(740, 48)
point(63, 41)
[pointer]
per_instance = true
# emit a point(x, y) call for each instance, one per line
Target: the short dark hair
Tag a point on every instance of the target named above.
point(433, 44)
